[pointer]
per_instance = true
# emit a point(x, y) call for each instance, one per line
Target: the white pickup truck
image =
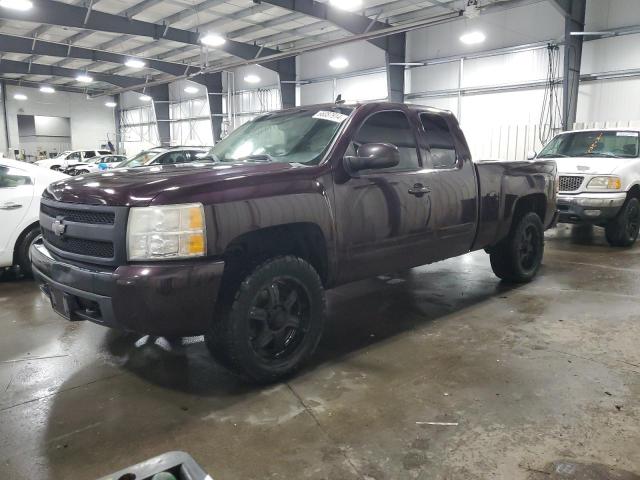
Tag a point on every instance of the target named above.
point(599, 183)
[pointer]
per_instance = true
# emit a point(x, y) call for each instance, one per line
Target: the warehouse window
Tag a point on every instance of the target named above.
point(394, 128)
point(440, 140)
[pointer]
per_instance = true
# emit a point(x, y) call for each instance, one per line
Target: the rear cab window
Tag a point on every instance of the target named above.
point(442, 149)
point(11, 177)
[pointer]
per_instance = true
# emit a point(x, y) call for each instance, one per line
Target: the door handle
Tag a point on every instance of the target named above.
point(10, 206)
point(419, 190)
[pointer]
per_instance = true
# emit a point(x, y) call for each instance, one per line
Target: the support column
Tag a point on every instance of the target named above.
point(286, 69)
point(574, 22)
point(213, 84)
point(160, 95)
point(396, 53)
point(116, 120)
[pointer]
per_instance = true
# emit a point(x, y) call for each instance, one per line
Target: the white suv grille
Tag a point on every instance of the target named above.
point(570, 183)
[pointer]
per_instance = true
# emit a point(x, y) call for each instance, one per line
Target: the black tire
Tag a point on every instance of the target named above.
point(57, 168)
point(274, 322)
point(22, 250)
point(518, 257)
point(623, 230)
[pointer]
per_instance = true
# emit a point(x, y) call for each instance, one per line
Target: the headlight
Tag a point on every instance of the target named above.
point(165, 232)
point(605, 183)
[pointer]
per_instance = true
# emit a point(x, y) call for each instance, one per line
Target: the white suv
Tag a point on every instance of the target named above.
point(599, 180)
point(70, 158)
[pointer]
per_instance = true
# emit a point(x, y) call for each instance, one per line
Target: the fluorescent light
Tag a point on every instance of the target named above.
point(111, 104)
point(84, 78)
point(135, 63)
point(252, 78)
point(339, 63)
point(213, 40)
point(473, 38)
point(191, 89)
point(145, 98)
point(21, 5)
point(46, 89)
point(346, 4)
point(20, 96)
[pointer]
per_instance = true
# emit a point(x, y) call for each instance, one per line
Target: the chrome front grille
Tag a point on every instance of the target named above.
point(92, 234)
point(570, 183)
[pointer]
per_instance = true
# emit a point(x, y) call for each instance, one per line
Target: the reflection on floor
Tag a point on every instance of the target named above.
point(440, 372)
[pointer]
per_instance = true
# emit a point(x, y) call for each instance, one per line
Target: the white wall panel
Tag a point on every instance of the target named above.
point(363, 87)
point(609, 54)
point(515, 26)
point(442, 76)
point(320, 92)
point(510, 68)
point(609, 100)
point(607, 14)
point(92, 123)
point(361, 56)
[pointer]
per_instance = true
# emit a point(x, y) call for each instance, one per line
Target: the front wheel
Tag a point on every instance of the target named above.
point(623, 230)
point(274, 323)
point(23, 257)
point(518, 257)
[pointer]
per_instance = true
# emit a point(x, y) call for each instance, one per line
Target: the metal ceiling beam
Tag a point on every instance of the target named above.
point(11, 66)
point(15, 44)
point(53, 12)
point(61, 88)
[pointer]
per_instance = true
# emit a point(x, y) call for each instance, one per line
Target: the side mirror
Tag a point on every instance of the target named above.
point(373, 156)
point(531, 155)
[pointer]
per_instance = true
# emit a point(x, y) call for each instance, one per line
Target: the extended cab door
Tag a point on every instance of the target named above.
point(451, 177)
point(383, 215)
point(16, 195)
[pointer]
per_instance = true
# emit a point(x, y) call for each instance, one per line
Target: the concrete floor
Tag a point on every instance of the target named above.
point(543, 381)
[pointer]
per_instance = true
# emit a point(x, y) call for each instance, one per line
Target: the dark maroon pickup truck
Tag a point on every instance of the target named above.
point(241, 246)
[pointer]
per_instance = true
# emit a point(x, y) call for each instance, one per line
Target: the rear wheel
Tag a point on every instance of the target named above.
point(518, 257)
point(623, 230)
point(24, 245)
point(274, 322)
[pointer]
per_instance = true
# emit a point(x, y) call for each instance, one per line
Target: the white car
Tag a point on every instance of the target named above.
point(70, 158)
point(599, 180)
point(96, 164)
point(21, 185)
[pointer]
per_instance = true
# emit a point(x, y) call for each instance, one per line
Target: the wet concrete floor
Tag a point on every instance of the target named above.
point(540, 381)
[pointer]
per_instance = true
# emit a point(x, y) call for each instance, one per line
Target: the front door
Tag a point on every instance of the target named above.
point(16, 195)
point(383, 216)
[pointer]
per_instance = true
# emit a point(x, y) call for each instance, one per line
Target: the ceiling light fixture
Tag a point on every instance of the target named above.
point(22, 5)
point(191, 89)
point(346, 4)
point(473, 38)
point(20, 96)
point(135, 63)
point(145, 98)
point(47, 89)
point(339, 63)
point(251, 78)
point(84, 78)
point(111, 104)
point(213, 40)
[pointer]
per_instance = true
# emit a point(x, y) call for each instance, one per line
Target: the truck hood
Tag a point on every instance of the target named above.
point(139, 186)
point(589, 165)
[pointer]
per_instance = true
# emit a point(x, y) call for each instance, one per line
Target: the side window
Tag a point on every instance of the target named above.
point(13, 177)
point(74, 156)
point(393, 128)
point(173, 157)
point(89, 154)
point(440, 140)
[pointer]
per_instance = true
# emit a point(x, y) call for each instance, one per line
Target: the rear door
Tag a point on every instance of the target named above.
point(384, 215)
point(16, 195)
point(451, 178)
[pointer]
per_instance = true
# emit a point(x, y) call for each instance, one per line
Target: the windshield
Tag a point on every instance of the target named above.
point(299, 136)
point(601, 144)
point(140, 159)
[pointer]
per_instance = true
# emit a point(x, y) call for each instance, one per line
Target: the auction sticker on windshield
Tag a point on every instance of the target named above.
point(336, 117)
point(627, 134)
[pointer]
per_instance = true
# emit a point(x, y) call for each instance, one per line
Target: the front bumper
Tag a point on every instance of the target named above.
point(590, 208)
point(162, 299)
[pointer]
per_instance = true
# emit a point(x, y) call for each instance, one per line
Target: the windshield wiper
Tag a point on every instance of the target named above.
point(548, 155)
point(263, 158)
point(604, 155)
